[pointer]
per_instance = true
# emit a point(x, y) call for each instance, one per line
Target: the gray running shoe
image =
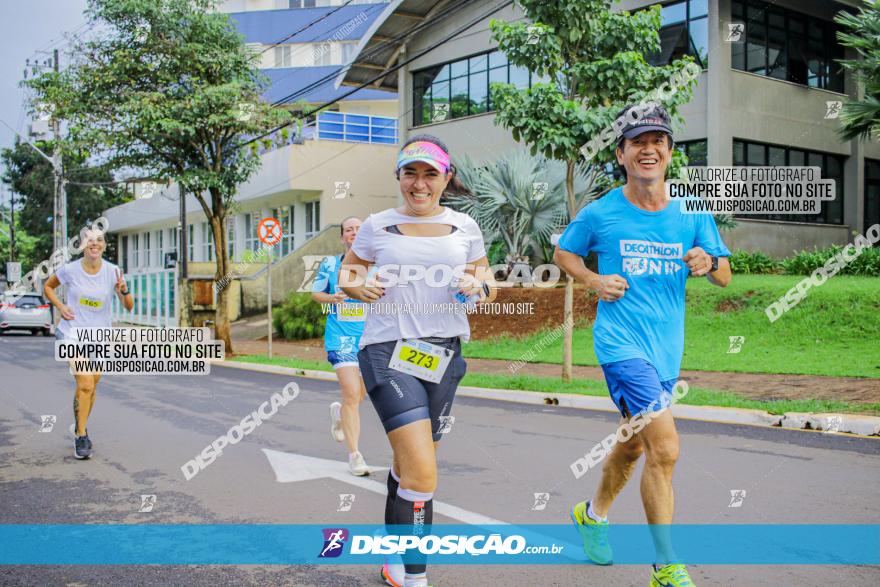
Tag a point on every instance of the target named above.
point(82, 447)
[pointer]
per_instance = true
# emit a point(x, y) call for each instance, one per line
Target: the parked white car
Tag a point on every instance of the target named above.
point(29, 312)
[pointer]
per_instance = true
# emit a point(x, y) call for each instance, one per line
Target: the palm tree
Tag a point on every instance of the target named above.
point(521, 200)
point(861, 118)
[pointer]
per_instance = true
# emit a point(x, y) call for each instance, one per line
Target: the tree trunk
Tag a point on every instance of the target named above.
point(184, 301)
point(568, 308)
point(222, 329)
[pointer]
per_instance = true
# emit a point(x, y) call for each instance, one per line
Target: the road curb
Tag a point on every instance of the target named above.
point(844, 423)
point(278, 370)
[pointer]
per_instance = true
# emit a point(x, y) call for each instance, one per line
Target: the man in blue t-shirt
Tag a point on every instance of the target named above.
point(342, 333)
point(646, 248)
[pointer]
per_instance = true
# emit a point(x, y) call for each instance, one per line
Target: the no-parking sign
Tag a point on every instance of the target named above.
point(269, 231)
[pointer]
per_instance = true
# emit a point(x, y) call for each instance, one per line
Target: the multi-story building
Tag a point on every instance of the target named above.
point(339, 165)
point(766, 96)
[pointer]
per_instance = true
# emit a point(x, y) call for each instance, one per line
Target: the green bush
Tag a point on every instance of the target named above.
point(299, 318)
point(753, 263)
point(805, 262)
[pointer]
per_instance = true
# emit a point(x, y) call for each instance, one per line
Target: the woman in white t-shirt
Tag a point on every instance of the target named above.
point(410, 353)
point(89, 286)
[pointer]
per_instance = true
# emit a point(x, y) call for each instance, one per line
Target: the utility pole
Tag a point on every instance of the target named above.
point(60, 205)
point(11, 225)
point(184, 312)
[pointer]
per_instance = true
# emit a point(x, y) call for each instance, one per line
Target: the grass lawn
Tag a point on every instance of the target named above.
point(696, 396)
point(835, 330)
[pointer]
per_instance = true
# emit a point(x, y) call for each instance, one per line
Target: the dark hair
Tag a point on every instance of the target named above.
point(342, 224)
point(455, 186)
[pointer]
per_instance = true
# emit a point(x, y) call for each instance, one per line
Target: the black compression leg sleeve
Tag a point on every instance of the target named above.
point(390, 499)
point(414, 510)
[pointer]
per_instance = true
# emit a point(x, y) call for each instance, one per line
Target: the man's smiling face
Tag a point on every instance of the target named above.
point(646, 156)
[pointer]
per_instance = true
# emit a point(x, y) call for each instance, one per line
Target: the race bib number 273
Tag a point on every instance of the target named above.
point(421, 359)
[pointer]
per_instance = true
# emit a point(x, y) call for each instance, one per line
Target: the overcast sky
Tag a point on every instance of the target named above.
point(27, 26)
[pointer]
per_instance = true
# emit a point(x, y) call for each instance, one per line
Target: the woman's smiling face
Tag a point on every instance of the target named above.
point(421, 186)
point(95, 244)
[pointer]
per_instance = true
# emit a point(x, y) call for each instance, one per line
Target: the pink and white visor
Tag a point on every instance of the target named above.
point(425, 152)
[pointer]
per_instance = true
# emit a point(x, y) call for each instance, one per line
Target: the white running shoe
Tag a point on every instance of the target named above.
point(357, 466)
point(336, 422)
point(415, 582)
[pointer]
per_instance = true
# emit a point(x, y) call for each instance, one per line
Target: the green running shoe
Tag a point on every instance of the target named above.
point(593, 533)
point(674, 575)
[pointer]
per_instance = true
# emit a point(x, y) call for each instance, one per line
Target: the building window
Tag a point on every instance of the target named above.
point(322, 53)
point(282, 56)
point(160, 247)
point(313, 218)
point(251, 239)
point(696, 152)
point(347, 52)
point(461, 88)
point(172, 243)
point(207, 242)
point(148, 251)
point(135, 251)
point(230, 236)
point(300, 3)
point(872, 193)
point(191, 244)
point(684, 31)
point(123, 257)
point(758, 154)
point(285, 217)
point(787, 45)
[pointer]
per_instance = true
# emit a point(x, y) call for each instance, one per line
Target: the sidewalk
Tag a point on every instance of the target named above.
point(760, 386)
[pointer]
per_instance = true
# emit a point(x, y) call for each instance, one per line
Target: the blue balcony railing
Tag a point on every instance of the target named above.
point(357, 128)
point(337, 126)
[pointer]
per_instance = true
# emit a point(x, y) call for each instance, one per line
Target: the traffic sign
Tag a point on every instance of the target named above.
point(13, 271)
point(269, 231)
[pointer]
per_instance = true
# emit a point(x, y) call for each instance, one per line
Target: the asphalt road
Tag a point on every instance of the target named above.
point(495, 459)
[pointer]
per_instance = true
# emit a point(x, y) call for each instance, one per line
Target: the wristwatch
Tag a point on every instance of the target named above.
point(714, 264)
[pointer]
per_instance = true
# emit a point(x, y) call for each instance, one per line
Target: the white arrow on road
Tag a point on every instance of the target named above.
point(291, 467)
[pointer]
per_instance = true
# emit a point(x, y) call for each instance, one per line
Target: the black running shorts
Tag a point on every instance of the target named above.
point(400, 398)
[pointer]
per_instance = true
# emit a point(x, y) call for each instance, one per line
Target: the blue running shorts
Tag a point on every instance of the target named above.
point(634, 385)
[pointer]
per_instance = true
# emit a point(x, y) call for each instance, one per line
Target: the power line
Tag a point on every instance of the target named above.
point(311, 24)
point(64, 38)
point(309, 41)
point(374, 51)
point(385, 72)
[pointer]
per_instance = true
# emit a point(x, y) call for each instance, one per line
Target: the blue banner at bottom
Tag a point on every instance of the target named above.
point(217, 544)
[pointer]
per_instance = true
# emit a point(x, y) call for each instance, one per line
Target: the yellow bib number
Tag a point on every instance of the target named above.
point(421, 359)
point(347, 312)
point(418, 358)
point(91, 303)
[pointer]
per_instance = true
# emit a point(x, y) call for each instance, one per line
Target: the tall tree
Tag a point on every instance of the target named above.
point(594, 59)
point(861, 118)
point(90, 191)
point(169, 88)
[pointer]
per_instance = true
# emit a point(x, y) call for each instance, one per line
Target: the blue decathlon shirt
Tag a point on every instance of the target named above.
point(646, 249)
point(339, 335)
